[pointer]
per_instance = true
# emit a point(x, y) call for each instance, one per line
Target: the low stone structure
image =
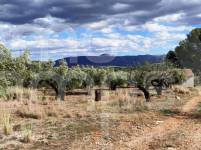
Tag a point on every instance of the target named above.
point(189, 78)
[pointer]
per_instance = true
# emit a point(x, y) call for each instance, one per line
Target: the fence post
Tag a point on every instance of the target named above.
point(98, 94)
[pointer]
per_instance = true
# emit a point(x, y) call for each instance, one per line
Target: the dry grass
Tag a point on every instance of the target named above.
point(38, 110)
point(6, 121)
point(52, 110)
point(81, 122)
point(34, 111)
point(181, 90)
point(121, 101)
point(27, 134)
point(31, 103)
point(22, 94)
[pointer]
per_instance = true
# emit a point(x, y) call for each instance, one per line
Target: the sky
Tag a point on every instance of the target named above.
point(53, 29)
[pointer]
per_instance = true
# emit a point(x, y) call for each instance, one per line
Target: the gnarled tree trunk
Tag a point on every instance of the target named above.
point(113, 86)
point(145, 91)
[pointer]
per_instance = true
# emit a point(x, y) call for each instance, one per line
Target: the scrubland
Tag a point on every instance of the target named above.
point(34, 119)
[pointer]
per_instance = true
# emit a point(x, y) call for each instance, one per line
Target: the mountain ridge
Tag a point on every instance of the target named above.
point(108, 60)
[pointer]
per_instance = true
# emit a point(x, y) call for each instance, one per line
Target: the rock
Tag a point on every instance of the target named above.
point(178, 98)
point(159, 122)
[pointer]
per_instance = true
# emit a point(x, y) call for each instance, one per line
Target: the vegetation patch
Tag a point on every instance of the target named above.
point(169, 112)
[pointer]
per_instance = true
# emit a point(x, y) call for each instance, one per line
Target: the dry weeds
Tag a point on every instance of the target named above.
point(81, 123)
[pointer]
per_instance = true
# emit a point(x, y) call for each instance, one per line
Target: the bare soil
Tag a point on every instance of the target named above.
point(176, 132)
point(120, 121)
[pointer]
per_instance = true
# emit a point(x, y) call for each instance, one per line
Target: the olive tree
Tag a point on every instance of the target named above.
point(62, 69)
point(157, 75)
point(117, 78)
point(76, 78)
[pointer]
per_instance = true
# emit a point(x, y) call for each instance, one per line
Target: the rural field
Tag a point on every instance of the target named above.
point(100, 75)
point(121, 120)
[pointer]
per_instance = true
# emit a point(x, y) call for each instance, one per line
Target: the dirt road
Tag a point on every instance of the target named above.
point(177, 132)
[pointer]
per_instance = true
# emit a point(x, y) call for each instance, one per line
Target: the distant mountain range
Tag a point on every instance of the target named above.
point(108, 60)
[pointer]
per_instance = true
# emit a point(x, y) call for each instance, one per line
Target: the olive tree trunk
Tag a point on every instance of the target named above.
point(145, 91)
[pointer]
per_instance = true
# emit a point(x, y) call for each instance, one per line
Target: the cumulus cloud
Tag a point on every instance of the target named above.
point(120, 6)
point(95, 27)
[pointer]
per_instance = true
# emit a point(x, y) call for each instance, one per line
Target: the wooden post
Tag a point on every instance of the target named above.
point(98, 95)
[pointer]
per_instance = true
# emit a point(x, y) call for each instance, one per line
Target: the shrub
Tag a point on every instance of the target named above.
point(178, 76)
point(3, 84)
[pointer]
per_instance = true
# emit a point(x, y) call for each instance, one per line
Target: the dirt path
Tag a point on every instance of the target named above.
point(167, 127)
point(190, 105)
